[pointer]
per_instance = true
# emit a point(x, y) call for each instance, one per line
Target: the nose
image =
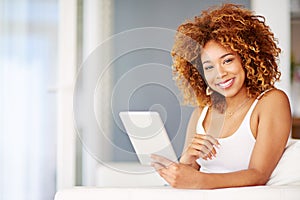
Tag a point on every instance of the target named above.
point(221, 71)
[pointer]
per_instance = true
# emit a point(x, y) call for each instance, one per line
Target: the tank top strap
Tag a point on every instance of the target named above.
point(200, 128)
point(203, 113)
point(249, 112)
point(264, 92)
point(255, 102)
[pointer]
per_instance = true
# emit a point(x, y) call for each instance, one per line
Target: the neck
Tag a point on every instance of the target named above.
point(233, 102)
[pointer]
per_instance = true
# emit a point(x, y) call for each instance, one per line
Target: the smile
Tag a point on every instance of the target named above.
point(226, 84)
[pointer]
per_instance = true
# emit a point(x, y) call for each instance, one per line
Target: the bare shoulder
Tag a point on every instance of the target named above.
point(274, 97)
point(274, 102)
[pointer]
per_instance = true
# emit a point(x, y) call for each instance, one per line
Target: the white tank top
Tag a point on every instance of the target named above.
point(235, 151)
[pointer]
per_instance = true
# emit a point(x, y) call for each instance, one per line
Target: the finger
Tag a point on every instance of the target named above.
point(165, 176)
point(157, 166)
point(197, 153)
point(214, 152)
point(209, 138)
point(201, 151)
point(163, 171)
point(208, 156)
point(207, 143)
point(204, 148)
point(203, 142)
point(162, 160)
point(201, 147)
point(198, 150)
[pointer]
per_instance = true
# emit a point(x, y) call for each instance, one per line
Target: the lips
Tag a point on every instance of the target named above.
point(226, 84)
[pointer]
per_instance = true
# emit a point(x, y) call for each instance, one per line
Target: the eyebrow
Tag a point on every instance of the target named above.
point(223, 56)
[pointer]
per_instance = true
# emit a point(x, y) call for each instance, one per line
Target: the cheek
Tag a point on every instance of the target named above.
point(207, 76)
point(242, 74)
point(237, 68)
point(210, 75)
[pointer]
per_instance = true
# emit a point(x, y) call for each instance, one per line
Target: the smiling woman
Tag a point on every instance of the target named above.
point(225, 62)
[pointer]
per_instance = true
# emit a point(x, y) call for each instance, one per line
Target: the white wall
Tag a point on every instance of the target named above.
point(67, 61)
point(97, 25)
point(277, 14)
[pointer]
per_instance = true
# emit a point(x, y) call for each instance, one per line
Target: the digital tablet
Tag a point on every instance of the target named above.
point(148, 135)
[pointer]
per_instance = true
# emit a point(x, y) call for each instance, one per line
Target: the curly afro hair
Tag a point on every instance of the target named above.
point(235, 28)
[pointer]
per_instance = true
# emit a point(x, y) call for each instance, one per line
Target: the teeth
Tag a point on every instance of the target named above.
point(225, 84)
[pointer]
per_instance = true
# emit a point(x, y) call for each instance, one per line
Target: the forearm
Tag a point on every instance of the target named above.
point(249, 177)
point(193, 164)
point(188, 161)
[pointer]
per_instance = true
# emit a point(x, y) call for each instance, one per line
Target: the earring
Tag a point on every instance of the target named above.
point(208, 91)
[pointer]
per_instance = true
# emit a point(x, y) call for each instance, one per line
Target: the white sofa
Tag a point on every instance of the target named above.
point(134, 181)
point(167, 193)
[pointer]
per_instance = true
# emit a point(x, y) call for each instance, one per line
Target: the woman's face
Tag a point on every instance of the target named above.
point(223, 69)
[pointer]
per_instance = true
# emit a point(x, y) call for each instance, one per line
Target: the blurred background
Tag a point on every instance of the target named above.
point(68, 67)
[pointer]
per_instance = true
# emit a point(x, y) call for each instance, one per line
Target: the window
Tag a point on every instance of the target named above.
point(28, 46)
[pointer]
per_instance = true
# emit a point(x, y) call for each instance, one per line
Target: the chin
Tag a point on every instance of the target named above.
point(228, 94)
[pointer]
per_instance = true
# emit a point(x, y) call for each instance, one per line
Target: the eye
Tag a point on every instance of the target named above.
point(208, 67)
point(228, 60)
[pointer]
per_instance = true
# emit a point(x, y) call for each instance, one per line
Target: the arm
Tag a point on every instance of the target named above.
point(190, 132)
point(197, 145)
point(273, 130)
point(271, 121)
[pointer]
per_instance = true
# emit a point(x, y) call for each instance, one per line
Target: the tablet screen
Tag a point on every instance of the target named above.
point(148, 135)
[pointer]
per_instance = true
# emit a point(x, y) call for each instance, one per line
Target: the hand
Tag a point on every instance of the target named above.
point(202, 146)
point(178, 175)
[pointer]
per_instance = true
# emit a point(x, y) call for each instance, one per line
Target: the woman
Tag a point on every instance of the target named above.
point(225, 63)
